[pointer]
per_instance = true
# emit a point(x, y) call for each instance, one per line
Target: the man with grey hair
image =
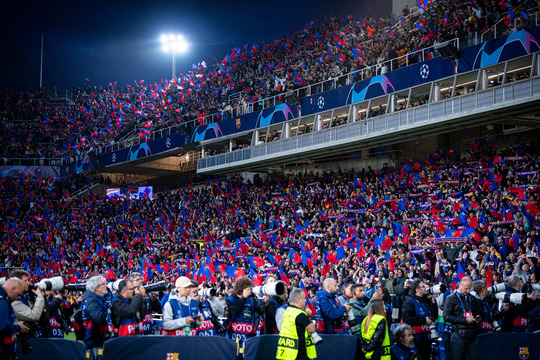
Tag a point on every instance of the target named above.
point(94, 312)
point(404, 348)
point(295, 341)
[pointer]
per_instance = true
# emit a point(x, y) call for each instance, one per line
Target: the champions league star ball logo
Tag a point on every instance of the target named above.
point(320, 102)
point(424, 71)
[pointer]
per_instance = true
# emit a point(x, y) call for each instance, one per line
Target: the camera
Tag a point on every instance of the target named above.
point(437, 289)
point(207, 292)
point(113, 286)
point(159, 286)
point(529, 288)
point(56, 283)
point(277, 288)
point(75, 287)
point(433, 331)
point(317, 339)
point(355, 327)
point(516, 298)
point(495, 325)
point(497, 288)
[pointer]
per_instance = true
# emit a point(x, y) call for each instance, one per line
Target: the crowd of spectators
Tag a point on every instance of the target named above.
point(247, 79)
point(419, 220)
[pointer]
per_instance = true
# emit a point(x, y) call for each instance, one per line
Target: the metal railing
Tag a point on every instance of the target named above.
point(36, 161)
point(523, 90)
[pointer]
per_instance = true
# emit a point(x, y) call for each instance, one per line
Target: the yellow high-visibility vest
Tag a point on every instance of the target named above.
point(375, 320)
point(288, 338)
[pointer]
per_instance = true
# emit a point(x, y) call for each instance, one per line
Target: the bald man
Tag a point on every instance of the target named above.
point(330, 317)
point(464, 312)
point(9, 328)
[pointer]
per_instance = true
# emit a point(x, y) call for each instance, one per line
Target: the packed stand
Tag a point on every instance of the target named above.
point(253, 74)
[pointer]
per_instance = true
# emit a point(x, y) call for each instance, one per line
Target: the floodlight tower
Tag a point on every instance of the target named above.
point(175, 44)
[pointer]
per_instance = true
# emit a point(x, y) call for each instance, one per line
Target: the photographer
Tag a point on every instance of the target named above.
point(271, 304)
point(463, 312)
point(295, 341)
point(181, 314)
point(243, 307)
point(94, 312)
point(419, 311)
point(128, 307)
point(480, 292)
point(208, 326)
point(514, 316)
point(152, 305)
point(329, 316)
point(29, 306)
point(9, 328)
point(57, 326)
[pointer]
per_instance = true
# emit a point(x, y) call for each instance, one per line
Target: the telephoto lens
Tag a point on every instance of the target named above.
point(207, 292)
point(317, 339)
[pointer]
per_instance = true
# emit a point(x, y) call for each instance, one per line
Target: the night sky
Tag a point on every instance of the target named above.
point(118, 40)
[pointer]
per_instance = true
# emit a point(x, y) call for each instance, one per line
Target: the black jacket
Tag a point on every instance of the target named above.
point(375, 344)
point(454, 310)
point(409, 312)
point(235, 309)
point(120, 309)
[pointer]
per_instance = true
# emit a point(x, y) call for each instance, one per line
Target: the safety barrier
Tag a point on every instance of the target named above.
point(170, 348)
point(506, 346)
point(54, 349)
point(509, 346)
point(333, 347)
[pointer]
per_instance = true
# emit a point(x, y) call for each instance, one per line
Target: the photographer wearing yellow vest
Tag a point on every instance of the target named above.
point(295, 341)
point(375, 338)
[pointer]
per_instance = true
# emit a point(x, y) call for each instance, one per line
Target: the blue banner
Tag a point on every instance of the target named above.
point(142, 150)
point(495, 51)
point(257, 119)
point(388, 83)
point(83, 165)
point(51, 348)
point(169, 348)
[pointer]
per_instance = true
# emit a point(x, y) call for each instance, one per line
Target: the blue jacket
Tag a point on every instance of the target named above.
point(328, 312)
point(8, 328)
point(95, 311)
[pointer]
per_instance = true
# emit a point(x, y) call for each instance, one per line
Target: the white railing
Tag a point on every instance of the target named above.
point(502, 96)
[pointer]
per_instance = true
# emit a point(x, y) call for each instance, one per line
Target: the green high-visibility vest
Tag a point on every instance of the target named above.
point(375, 320)
point(288, 338)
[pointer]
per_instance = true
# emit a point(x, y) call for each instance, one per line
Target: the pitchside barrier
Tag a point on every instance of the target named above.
point(333, 347)
point(506, 346)
point(54, 349)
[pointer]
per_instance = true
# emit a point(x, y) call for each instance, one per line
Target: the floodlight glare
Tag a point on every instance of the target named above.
point(174, 43)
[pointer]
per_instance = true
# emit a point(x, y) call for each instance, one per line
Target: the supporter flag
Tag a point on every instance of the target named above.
point(523, 14)
point(471, 234)
point(284, 277)
point(340, 253)
point(231, 270)
point(446, 18)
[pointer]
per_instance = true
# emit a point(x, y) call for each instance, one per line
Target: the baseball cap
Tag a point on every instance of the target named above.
point(183, 282)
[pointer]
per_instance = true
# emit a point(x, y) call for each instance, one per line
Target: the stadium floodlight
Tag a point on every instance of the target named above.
point(176, 44)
